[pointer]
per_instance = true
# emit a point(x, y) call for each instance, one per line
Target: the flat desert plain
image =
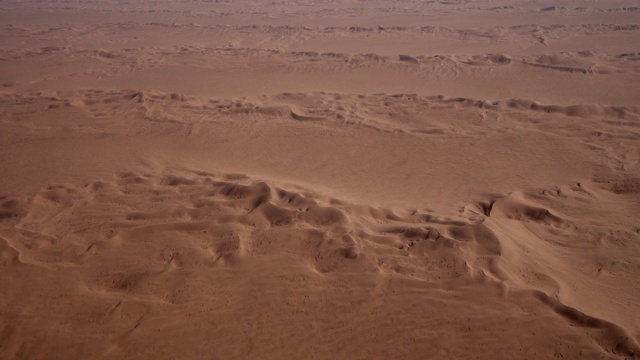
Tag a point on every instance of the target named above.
point(320, 179)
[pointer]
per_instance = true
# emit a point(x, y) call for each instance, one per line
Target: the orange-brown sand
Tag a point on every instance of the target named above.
point(307, 179)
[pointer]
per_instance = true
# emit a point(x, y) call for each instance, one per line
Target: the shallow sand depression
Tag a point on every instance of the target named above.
point(319, 179)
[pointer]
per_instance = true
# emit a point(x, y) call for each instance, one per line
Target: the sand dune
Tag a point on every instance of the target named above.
point(319, 179)
point(140, 251)
point(564, 78)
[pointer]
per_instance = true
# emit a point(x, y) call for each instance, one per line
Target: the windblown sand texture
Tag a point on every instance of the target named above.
point(319, 179)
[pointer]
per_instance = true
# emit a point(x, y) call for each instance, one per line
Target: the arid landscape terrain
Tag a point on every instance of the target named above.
point(319, 179)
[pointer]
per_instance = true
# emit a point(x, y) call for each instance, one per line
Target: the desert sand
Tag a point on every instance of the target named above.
point(319, 179)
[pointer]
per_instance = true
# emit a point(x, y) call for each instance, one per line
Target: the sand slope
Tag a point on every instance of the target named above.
point(370, 179)
point(207, 262)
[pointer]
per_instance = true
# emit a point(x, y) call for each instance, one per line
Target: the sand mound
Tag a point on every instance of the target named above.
point(140, 244)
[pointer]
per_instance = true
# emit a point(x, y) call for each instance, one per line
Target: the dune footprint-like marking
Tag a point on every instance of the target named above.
point(516, 207)
point(24, 247)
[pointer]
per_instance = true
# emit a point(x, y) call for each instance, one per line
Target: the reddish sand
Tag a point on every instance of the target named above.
point(319, 179)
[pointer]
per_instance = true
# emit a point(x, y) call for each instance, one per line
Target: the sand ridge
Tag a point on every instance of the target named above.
point(175, 228)
point(514, 244)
